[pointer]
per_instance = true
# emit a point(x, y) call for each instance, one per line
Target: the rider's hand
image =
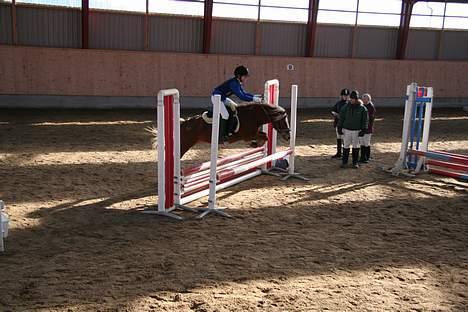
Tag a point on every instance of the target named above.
point(257, 99)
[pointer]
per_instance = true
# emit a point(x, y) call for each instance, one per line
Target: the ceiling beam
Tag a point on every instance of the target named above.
point(403, 30)
point(84, 24)
point(207, 22)
point(311, 27)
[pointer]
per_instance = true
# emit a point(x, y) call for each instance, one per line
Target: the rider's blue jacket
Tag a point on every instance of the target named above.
point(232, 86)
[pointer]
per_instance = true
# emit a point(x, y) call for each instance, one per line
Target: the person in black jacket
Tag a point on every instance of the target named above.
point(336, 114)
point(366, 139)
point(352, 124)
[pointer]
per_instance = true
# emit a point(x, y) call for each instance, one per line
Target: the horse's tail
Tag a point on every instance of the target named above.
point(153, 131)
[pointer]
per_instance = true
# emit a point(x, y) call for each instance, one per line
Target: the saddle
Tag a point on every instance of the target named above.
point(236, 121)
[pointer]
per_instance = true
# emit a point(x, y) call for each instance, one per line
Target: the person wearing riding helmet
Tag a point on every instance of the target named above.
point(336, 113)
point(232, 86)
point(352, 124)
point(366, 139)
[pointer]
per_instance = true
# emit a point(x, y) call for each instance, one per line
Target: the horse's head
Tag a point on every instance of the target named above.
point(279, 119)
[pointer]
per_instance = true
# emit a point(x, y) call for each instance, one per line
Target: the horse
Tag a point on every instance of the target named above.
point(251, 117)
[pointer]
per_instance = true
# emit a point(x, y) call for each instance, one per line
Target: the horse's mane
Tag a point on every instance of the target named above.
point(189, 119)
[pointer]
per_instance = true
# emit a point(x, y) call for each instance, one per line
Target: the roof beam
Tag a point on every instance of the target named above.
point(14, 36)
point(311, 27)
point(403, 30)
point(84, 24)
point(207, 22)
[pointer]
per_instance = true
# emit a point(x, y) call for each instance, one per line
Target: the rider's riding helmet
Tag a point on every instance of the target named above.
point(345, 92)
point(241, 71)
point(354, 94)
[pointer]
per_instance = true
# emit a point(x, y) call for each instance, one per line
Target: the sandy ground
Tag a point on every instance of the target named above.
point(347, 240)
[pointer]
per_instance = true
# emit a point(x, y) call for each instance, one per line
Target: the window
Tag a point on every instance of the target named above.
point(348, 5)
point(379, 13)
point(278, 10)
point(332, 17)
point(65, 3)
point(180, 7)
point(337, 12)
point(301, 4)
point(244, 9)
point(428, 15)
point(119, 5)
point(456, 16)
point(381, 6)
point(378, 19)
point(284, 14)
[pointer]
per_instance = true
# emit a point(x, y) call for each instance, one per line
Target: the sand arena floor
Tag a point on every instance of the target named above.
point(347, 240)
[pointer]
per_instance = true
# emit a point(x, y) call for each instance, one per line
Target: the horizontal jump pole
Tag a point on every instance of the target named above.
point(458, 167)
point(196, 195)
point(206, 173)
point(440, 156)
point(205, 184)
point(230, 172)
point(451, 154)
point(186, 187)
point(455, 175)
point(222, 161)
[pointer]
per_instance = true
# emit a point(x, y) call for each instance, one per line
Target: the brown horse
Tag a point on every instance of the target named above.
point(251, 118)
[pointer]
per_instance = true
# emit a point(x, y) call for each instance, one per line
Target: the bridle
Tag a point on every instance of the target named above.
point(276, 122)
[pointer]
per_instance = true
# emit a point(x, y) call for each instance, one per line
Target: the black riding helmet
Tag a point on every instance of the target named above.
point(354, 94)
point(344, 92)
point(241, 71)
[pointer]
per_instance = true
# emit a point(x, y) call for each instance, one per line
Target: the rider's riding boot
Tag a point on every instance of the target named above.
point(230, 125)
point(344, 161)
point(338, 148)
point(355, 155)
point(363, 158)
point(223, 136)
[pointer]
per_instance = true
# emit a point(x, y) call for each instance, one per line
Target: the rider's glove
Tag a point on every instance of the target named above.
point(257, 99)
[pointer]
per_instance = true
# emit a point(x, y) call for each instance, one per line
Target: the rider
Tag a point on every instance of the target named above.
point(336, 114)
point(226, 89)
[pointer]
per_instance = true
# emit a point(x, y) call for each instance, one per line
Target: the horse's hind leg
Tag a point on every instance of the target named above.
point(260, 139)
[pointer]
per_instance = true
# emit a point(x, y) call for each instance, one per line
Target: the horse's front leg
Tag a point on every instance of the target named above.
point(259, 139)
